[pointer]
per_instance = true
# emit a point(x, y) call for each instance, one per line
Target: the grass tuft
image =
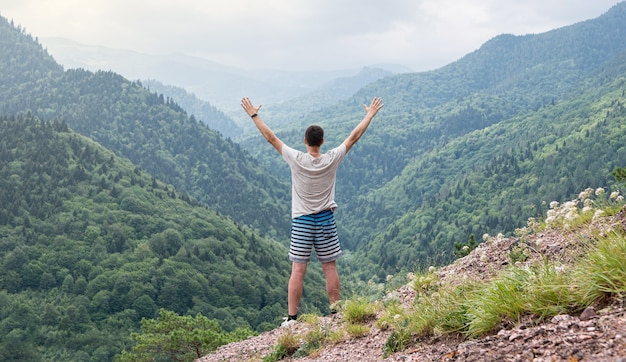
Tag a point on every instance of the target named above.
point(359, 311)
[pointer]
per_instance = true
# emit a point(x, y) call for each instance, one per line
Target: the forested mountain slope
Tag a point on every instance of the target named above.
point(291, 112)
point(448, 146)
point(204, 111)
point(557, 126)
point(152, 131)
point(536, 93)
point(496, 178)
point(90, 244)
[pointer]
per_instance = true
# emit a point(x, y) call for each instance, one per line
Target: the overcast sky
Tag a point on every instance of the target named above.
point(298, 34)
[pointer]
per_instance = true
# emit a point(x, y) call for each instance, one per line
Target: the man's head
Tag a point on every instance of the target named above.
point(314, 136)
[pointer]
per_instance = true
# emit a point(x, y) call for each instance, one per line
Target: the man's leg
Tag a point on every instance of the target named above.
point(294, 291)
point(332, 281)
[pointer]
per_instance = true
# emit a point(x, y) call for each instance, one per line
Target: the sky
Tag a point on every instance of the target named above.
point(298, 35)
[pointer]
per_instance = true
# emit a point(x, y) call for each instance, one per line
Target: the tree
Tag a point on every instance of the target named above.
point(463, 249)
point(178, 338)
point(620, 174)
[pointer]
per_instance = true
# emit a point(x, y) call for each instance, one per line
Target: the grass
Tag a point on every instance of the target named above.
point(524, 292)
point(286, 346)
point(602, 273)
point(516, 294)
point(359, 311)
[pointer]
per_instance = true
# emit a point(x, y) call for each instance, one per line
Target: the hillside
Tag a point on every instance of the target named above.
point(148, 200)
point(495, 178)
point(537, 261)
point(91, 244)
point(204, 111)
point(499, 117)
point(220, 84)
point(151, 130)
point(520, 121)
point(289, 113)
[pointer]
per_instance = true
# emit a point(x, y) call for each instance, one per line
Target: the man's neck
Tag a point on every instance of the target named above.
point(313, 151)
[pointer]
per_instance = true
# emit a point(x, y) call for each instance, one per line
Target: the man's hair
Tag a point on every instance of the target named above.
point(314, 135)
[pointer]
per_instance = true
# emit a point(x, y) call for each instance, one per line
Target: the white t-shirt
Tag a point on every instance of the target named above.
point(312, 179)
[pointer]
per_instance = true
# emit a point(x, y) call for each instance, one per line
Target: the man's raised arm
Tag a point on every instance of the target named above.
point(269, 135)
point(358, 131)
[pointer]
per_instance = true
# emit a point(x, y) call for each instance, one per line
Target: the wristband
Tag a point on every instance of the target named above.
point(254, 115)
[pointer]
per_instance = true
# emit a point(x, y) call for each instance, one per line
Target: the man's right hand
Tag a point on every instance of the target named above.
point(247, 105)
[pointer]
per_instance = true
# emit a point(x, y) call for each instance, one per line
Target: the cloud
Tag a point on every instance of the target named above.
point(299, 34)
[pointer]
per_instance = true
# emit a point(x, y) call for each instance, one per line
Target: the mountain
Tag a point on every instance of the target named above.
point(291, 112)
point(475, 147)
point(285, 112)
point(521, 121)
point(221, 85)
point(151, 130)
point(202, 110)
point(90, 244)
point(517, 104)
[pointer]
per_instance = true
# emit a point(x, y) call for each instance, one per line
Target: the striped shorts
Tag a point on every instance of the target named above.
point(317, 231)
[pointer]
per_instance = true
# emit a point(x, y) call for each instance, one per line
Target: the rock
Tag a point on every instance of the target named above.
point(587, 314)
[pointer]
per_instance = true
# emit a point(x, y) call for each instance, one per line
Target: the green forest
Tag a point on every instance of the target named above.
point(118, 205)
point(92, 244)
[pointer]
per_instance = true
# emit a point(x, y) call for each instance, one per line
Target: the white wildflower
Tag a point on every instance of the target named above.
point(569, 205)
point(599, 191)
point(389, 277)
point(620, 198)
point(585, 194)
point(588, 203)
point(598, 214)
point(571, 215)
point(587, 209)
point(532, 223)
point(614, 194)
point(431, 269)
point(485, 237)
point(410, 276)
point(465, 248)
point(554, 204)
point(392, 296)
point(520, 232)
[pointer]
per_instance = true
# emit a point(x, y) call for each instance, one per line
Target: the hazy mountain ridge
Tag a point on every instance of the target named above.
point(152, 131)
point(202, 110)
point(219, 84)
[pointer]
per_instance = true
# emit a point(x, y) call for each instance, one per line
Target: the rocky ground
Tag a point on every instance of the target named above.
point(596, 334)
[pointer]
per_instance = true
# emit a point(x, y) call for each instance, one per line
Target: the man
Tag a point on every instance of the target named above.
point(312, 201)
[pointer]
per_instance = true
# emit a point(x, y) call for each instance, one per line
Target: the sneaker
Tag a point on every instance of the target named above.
point(288, 322)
